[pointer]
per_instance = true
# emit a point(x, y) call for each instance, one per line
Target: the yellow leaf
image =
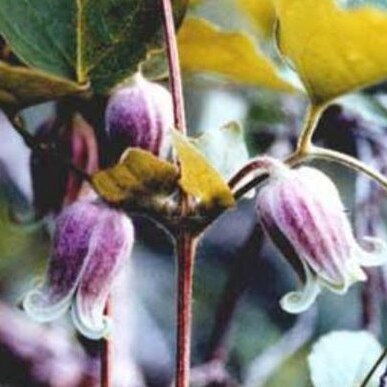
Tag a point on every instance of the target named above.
point(139, 174)
point(205, 48)
point(199, 178)
point(334, 50)
point(261, 13)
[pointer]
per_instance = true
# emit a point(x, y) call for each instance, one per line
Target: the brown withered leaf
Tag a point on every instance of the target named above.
point(139, 174)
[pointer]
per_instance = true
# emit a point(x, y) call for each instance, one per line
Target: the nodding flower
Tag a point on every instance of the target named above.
point(91, 242)
point(302, 213)
point(140, 114)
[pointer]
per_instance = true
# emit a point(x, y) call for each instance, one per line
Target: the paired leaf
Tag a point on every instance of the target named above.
point(139, 174)
point(101, 42)
point(344, 359)
point(205, 48)
point(334, 50)
point(224, 148)
point(24, 86)
point(199, 178)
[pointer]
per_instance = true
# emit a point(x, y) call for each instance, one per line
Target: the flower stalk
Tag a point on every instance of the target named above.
point(174, 66)
point(305, 151)
point(185, 242)
point(185, 252)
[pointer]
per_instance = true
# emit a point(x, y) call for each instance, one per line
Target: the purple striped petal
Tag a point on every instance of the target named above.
point(302, 220)
point(110, 246)
point(140, 115)
point(73, 230)
point(303, 214)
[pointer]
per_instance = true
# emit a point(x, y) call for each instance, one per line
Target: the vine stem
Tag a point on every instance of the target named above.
point(185, 252)
point(185, 241)
point(107, 352)
point(174, 66)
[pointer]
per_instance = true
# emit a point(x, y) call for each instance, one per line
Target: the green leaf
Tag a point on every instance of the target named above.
point(199, 178)
point(113, 38)
point(22, 86)
point(224, 148)
point(334, 50)
point(344, 358)
point(101, 41)
point(140, 174)
point(42, 33)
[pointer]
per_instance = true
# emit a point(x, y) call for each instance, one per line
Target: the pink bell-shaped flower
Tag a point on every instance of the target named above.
point(91, 243)
point(302, 213)
point(140, 115)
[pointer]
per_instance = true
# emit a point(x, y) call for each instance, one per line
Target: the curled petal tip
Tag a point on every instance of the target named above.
point(300, 300)
point(88, 327)
point(355, 272)
point(376, 255)
point(41, 309)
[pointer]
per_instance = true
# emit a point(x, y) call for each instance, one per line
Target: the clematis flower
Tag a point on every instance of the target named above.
point(140, 114)
point(90, 244)
point(302, 213)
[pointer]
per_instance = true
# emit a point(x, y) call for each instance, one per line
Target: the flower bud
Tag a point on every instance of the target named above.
point(91, 242)
point(53, 184)
point(302, 213)
point(140, 115)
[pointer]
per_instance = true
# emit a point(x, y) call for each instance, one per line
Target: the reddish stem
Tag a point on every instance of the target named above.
point(107, 354)
point(261, 165)
point(185, 242)
point(185, 251)
point(174, 66)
